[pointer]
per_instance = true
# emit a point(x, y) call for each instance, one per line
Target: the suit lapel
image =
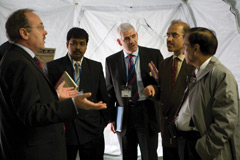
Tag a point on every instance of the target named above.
point(68, 65)
point(29, 58)
point(183, 70)
point(122, 66)
point(85, 70)
point(142, 59)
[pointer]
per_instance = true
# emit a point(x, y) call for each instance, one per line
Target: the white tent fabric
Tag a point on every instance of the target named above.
point(151, 18)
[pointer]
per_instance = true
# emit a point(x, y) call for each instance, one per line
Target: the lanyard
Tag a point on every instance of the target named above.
point(128, 76)
point(76, 80)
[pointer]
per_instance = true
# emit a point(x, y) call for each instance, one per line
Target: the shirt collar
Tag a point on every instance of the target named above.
point(180, 57)
point(72, 60)
point(29, 51)
point(134, 53)
point(203, 66)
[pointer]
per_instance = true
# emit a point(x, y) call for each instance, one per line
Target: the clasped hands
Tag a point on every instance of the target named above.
point(80, 100)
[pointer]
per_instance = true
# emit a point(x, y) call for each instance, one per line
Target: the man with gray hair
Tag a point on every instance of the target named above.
point(127, 73)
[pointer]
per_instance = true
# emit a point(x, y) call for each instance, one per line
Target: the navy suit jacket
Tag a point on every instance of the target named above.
point(90, 123)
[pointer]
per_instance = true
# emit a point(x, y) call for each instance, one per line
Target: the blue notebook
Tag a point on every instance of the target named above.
point(119, 119)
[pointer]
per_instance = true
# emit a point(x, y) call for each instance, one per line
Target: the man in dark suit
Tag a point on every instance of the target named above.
point(140, 123)
point(84, 133)
point(171, 86)
point(31, 114)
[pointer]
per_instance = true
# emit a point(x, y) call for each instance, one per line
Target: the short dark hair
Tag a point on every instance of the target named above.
point(76, 32)
point(205, 38)
point(17, 20)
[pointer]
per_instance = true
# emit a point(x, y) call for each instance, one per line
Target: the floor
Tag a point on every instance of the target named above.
point(111, 157)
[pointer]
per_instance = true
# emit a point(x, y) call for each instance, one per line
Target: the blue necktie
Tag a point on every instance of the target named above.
point(132, 80)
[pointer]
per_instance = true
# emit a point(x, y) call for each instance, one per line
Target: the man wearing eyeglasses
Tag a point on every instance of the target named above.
point(85, 133)
point(172, 78)
point(31, 111)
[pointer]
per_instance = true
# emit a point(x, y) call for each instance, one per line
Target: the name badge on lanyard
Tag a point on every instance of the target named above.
point(126, 91)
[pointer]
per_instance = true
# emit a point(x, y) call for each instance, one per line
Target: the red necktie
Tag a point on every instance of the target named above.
point(38, 62)
point(132, 79)
point(174, 71)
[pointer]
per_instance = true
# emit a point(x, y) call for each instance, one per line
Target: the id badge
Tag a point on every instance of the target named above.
point(126, 91)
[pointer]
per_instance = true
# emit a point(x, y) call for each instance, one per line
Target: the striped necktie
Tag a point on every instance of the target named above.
point(77, 73)
point(132, 80)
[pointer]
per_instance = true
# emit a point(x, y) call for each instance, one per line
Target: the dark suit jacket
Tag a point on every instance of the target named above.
point(171, 98)
point(116, 77)
point(30, 111)
point(89, 124)
point(3, 48)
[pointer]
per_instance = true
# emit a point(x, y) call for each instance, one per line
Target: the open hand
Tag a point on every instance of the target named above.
point(82, 102)
point(65, 92)
point(154, 70)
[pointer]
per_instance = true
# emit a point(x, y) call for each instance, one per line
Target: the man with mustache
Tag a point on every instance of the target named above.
point(171, 86)
point(85, 133)
point(140, 123)
point(31, 111)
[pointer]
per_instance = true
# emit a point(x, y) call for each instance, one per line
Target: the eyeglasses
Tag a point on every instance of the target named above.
point(40, 28)
point(173, 35)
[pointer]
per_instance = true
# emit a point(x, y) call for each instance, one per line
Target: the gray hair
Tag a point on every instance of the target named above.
point(124, 27)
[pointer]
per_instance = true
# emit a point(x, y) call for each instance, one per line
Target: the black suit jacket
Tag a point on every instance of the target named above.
point(170, 99)
point(30, 111)
point(3, 48)
point(116, 77)
point(89, 124)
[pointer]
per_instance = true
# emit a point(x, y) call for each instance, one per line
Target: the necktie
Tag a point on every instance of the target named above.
point(190, 80)
point(38, 62)
point(132, 80)
point(77, 73)
point(174, 71)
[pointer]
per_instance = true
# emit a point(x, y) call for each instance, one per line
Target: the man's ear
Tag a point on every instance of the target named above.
point(196, 48)
point(119, 42)
point(23, 33)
